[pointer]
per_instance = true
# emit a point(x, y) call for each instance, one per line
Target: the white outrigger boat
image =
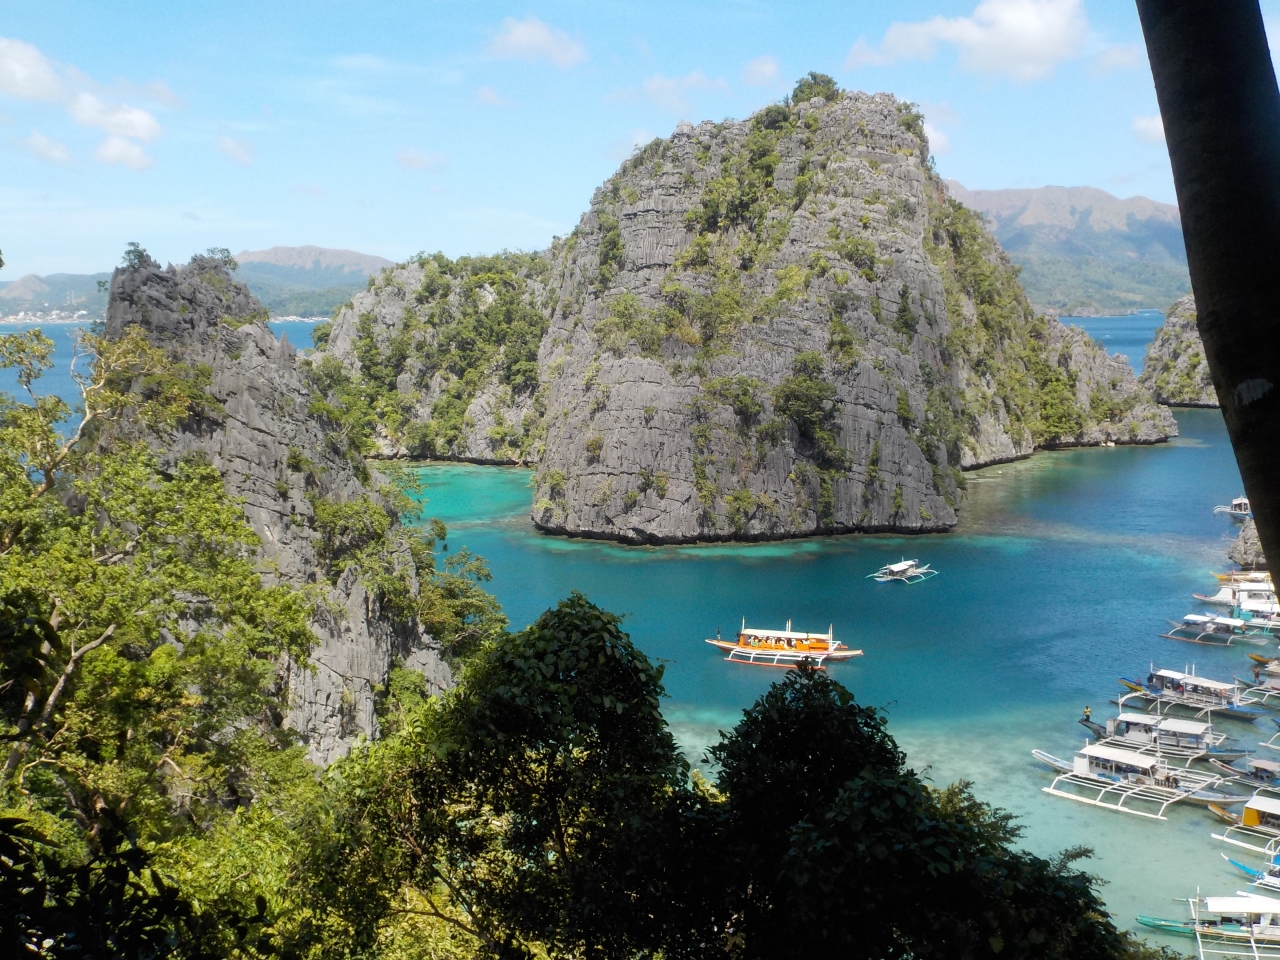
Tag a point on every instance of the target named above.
point(1237, 510)
point(1129, 782)
point(906, 571)
point(1265, 688)
point(1245, 576)
point(1256, 828)
point(1177, 741)
point(1214, 630)
point(1246, 925)
point(783, 648)
point(1268, 878)
point(1252, 597)
point(1166, 689)
point(1258, 771)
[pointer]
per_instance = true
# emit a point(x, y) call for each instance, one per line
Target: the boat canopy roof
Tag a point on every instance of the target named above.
point(1250, 904)
point(1209, 618)
point(1264, 804)
point(1122, 756)
point(1257, 763)
point(1191, 678)
point(786, 634)
point(1138, 719)
point(1178, 725)
point(1237, 501)
point(902, 566)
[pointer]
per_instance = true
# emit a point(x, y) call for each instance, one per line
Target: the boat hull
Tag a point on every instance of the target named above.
point(768, 656)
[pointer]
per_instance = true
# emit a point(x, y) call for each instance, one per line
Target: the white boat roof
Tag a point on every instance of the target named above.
point(1209, 618)
point(1259, 764)
point(1120, 756)
point(1178, 725)
point(1229, 905)
point(1191, 678)
point(901, 566)
point(784, 634)
point(1145, 719)
point(1265, 804)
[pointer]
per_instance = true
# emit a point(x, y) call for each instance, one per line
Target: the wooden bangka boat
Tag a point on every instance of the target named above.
point(1214, 630)
point(1129, 782)
point(906, 571)
point(1245, 576)
point(783, 648)
point(1267, 878)
point(1246, 925)
point(1237, 510)
point(1166, 689)
point(1257, 771)
point(1255, 598)
point(1177, 741)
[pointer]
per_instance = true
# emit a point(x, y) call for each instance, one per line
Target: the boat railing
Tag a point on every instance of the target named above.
point(1250, 838)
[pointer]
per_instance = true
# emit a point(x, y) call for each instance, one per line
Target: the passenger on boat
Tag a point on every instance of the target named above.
point(1087, 713)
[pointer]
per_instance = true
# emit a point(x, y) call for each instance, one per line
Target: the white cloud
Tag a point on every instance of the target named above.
point(760, 72)
point(1149, 129)
point(939, 142)
point(1021, 39)
point(241, 151)
point(420, 159)
point(491, 97)
point(26, 73)
point(46, 149)
point(122, 151)
point(672, 93)
point(532, 40)
point(119, 120)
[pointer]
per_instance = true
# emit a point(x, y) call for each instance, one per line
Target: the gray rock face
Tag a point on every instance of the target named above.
point(1175, 370)
point(1246, 548)
point(273, 453)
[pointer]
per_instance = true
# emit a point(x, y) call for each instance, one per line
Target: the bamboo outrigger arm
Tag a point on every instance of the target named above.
point(1221, 110)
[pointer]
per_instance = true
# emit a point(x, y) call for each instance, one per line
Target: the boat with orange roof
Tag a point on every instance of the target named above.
point(783, 648)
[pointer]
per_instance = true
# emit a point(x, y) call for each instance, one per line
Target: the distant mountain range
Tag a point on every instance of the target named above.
point(1083, 251)
point(297, 281)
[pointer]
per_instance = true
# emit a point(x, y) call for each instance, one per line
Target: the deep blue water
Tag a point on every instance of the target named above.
point(1062, 572)
point(1128, 335)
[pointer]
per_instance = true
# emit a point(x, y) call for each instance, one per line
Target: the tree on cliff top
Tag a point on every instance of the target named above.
point(814, 84)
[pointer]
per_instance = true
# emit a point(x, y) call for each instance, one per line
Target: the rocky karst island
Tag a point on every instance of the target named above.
point(772, 328)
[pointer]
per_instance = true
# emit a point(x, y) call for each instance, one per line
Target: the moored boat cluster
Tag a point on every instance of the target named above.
point(1162, 749)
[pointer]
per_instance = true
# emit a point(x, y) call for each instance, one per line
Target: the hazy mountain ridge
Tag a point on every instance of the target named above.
point(1084, 251)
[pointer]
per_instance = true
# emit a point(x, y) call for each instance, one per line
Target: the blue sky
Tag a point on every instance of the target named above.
point(469, 127)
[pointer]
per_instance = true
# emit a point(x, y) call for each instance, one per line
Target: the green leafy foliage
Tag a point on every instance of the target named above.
point(814, 84)
point(808, 401)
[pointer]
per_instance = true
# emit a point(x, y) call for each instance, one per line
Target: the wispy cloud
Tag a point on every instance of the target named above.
point(491, 97)
point(240, 151)
point(420, 159)
point(533, 41)
point(1020, 39)
point(1149, 129)
point(124, 152)
point(760, 72)
point(45, 148)
point(673, 93)
point(27, 74)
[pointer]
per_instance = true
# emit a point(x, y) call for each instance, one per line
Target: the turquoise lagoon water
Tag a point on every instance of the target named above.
point(1127, 335)
point(1062, 572)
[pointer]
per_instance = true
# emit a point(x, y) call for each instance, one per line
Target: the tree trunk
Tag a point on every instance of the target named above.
point(1221, 112)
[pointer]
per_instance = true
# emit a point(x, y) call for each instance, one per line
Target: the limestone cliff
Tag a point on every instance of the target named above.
point(1246, 548)
point(1175, 370)
point(785, 326)
point(286, 463)
point(770, 328)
